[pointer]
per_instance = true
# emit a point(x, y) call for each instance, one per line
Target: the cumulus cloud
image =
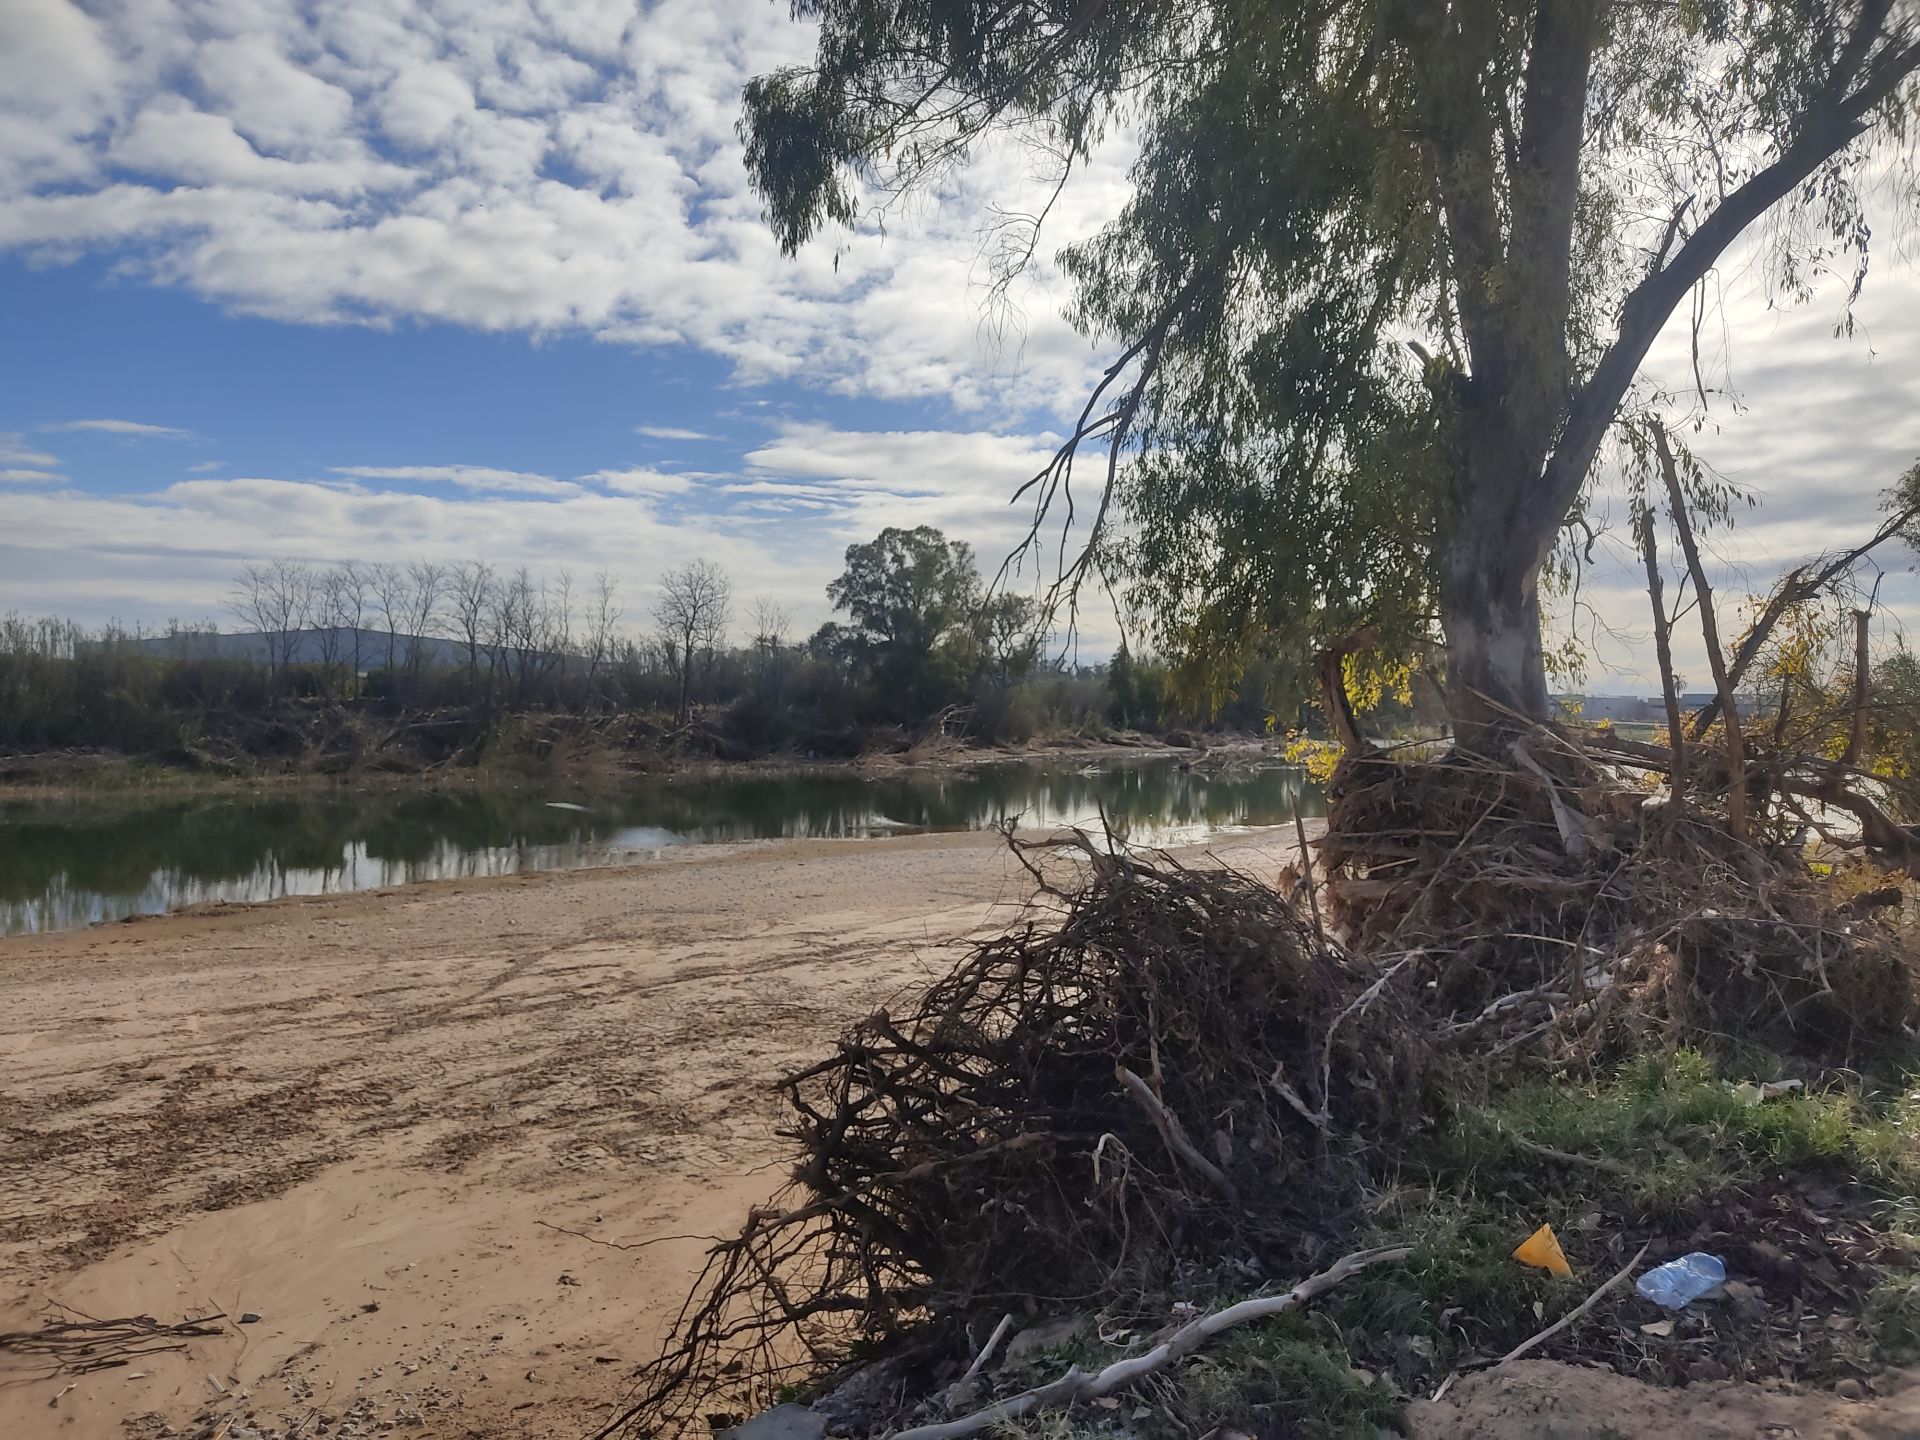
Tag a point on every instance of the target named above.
point(542, 168)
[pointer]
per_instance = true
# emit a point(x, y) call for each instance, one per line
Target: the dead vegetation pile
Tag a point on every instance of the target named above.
point(1571, 894)
point(1157, 1085)
point(1174, 1082)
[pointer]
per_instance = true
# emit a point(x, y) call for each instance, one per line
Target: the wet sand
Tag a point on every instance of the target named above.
point(377, 1121)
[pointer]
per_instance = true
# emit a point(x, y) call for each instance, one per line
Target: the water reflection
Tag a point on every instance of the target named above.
point(76, 863)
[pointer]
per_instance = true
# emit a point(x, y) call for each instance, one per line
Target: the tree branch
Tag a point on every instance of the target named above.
point(1824, 134)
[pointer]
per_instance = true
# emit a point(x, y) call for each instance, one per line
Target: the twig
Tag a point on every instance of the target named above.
point(1171, 1131)
point(627, 1244)
point(1554, 1329)
point(1306, 870)
point(986, 1350)
point(1582, 1308)
point(1862, 678)
point(1566, 1157)
point(1077, 1385)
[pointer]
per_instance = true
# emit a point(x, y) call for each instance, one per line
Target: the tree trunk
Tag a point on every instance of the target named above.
point(1490, 609)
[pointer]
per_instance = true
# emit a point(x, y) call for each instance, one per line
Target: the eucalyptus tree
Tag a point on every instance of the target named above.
point(1389, 269)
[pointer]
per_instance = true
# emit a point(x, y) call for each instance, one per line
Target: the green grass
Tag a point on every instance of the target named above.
point(1673, 1134)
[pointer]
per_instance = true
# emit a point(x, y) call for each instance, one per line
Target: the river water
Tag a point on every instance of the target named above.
point(78, 862)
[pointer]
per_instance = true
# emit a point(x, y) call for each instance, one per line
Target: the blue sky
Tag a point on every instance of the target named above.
point(483, 278)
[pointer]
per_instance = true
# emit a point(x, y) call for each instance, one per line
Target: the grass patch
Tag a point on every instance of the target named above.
point(1680, 1146)
point(1666, 1130)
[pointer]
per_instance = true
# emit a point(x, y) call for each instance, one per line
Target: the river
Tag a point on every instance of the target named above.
point(74, 862)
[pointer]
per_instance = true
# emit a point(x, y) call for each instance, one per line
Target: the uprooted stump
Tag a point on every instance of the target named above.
point(1162, 1085)
point(1569, 911)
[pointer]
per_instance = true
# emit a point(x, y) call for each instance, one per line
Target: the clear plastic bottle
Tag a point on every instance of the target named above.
point(1678, 1283)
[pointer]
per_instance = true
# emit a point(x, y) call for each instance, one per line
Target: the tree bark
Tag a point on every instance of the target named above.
point(1490, 609)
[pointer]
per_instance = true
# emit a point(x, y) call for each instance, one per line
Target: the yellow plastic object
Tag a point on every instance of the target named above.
point(1542, 1250)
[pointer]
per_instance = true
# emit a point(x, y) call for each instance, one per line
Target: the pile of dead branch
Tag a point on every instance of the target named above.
point(1569, 910)
point(1156, 1088)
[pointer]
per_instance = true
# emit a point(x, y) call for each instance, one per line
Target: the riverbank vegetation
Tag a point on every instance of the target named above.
point(373, 669)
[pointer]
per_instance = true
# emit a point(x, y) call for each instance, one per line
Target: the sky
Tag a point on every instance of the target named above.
point(364, 279)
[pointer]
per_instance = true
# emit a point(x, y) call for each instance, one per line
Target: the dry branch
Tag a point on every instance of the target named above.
point(1077, 1385)
point(1175, 1135)
point(1710, 632)
point(1662, 644)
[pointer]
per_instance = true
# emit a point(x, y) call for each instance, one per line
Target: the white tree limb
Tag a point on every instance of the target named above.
point(1078, 1385)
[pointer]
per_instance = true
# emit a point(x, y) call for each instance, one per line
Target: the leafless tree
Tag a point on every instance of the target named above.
point(695, 605)
point(602, 625)
point(426, 586)
point(329, 621)
point(391, 594)
point(276, 599)
point(470, 587)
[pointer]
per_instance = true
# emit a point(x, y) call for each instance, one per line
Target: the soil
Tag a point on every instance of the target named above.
point(457, 1147)
point(1546, 1400)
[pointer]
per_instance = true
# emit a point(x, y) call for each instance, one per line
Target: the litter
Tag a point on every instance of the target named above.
point(1542, 1251)
point(1678, 1283)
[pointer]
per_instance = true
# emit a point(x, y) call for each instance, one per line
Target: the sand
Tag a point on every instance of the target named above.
point(411, 1130)
point(372, 1120)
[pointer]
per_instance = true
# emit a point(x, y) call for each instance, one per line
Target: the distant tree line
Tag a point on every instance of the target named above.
point(920, 645)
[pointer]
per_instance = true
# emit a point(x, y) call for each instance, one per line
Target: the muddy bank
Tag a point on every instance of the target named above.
point(68, 774)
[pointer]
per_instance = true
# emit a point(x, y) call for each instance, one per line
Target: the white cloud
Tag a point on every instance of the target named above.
point(28, 477)
point(13, 451)
point(670, 432)
point(639, 480)
point(544, 168)
point(124, 427)
point(468, 477)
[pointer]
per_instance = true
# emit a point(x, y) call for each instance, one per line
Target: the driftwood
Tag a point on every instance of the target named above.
point(1077, 1385)
point(79, 1346)
point(1662, 643)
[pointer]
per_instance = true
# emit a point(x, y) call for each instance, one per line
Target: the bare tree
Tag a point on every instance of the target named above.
point(695, 605)
point(771, 622)
point(391, 594)
point(276, 599)
point(329, 620)
point(470, 586)
point(602, 623)
point(426, 588)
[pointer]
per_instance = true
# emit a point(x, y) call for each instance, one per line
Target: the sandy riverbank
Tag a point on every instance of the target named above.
point(409, 1129)
point(359, 1116)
